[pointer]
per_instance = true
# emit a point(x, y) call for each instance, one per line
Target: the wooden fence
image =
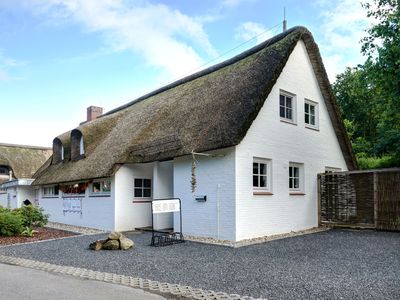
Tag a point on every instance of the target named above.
point(368, 199)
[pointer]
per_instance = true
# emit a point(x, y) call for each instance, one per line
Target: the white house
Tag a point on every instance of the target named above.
point(18, 163)
point(248, 136)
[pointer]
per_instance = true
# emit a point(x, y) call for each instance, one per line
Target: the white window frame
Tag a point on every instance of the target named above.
point(100, 192)
point(285, 94)
point(268, 174)
point(62, 152)
point(316, 114)
point(81, 146)
point(300, 167)
point(50, 191)
point(142, 188)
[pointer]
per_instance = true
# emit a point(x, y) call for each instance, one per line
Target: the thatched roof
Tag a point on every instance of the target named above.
point(23, 160)
point(208, 110)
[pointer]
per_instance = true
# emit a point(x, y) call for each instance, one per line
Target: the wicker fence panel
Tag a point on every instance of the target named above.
point(388, 204)
point(366, 199)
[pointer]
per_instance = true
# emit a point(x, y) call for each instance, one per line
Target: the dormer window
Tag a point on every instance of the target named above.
point(58, 151)
point(81, 147)
point(77, 145)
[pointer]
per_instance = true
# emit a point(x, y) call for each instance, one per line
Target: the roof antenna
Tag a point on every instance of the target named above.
point(284, 19)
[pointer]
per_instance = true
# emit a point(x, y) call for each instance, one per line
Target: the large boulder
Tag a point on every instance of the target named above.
point(125, 243)
point(97, 245)
point(115, 235)
point(111, 245)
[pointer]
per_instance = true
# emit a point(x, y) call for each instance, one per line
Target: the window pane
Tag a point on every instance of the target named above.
point(138, 193)
point(255, 181)
point(282, 100)
point(263, 181)
point(288, 102)
point(307, 119)
point(106, 186)
point(147, 183)
point(147, 193)
point(289, 113)
point(312, 109)
point(96, 187)
point(282, 112)
point(306, 107)
point(296, 172)
point(312, 120)
point(255, 168)
point(138, 182)
point(290, 183)
point(263, 169)
point(56, 190)
point(290, 171)
point(296, 183)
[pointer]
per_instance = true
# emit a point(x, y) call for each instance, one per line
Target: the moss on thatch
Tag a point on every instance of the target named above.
point(208, 110)
point(23, 161)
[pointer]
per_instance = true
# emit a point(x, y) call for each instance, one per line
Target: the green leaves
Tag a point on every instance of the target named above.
point(369, 94)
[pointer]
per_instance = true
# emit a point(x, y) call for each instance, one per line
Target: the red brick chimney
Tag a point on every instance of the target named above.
point(93, 112)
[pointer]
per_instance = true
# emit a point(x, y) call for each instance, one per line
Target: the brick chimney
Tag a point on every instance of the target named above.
point(93, 112)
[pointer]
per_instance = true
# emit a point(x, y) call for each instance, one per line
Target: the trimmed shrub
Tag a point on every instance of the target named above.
point(10, 224)
point(32, 216)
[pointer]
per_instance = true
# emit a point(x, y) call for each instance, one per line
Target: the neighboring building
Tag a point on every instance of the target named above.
point(266, 120)
point(18, 163)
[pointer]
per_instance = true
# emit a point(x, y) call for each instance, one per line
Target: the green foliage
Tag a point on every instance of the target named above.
point(32, 216)
point(10, 224)
point(365, 162)
point(369, 94)
point(28, 232)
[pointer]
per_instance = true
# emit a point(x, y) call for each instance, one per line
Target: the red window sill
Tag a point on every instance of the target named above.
point(262, 193)
point(297, 193)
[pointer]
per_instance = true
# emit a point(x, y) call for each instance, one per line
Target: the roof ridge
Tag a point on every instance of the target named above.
point(25, 146)
point(211, 69)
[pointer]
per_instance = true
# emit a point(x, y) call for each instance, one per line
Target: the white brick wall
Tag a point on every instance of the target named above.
point(215, 179)
point(268, 137)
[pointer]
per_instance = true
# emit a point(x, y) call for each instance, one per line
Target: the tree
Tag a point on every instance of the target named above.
point(369, 94)
point(382, 47)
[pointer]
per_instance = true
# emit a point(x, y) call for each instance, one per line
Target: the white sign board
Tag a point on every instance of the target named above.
point(72, 204)
point(164, 206)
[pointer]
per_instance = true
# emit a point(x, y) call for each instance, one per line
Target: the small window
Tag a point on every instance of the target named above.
point(50, 190)
point(311, 114)
point(81, 146)
point(101, 187)
point(296, 177)
point(287, 107)
point(58, 151)
point(142, 188)
point(4, 170)
point(261, 174)
point(74, 189)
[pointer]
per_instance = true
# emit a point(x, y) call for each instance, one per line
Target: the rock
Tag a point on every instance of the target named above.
point(126, 243)
point(111, 245)
point(115, 235)
point(97, 245)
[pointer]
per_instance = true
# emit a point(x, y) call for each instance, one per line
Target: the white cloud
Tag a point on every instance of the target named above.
point(343, 24)
point(249, 30)
point(7, 64)
point(160, 34)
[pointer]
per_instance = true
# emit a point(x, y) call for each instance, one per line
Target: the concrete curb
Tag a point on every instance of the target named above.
point(168, 290)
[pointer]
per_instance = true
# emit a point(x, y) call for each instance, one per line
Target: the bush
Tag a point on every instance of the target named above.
point(387, 161)
point(10, 224)
point(32, 216)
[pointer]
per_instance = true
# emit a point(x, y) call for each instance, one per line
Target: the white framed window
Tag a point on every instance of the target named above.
point(142, 188)
point(296, 177)
point(287, 107)
point(101, 187)
point(310, 114)
point(49, 191)
point(262, 172)
point(81, 146)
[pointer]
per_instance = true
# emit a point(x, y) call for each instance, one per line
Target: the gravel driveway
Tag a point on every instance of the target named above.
point(336, 264)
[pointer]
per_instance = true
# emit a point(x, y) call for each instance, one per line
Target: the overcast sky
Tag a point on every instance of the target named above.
point(58, 57)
